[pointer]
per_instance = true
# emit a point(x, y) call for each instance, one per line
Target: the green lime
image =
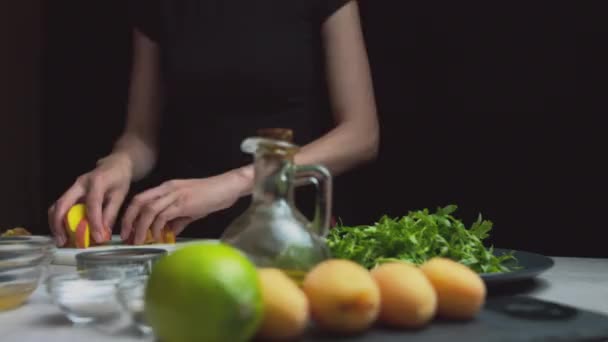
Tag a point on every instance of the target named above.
point(205, 292)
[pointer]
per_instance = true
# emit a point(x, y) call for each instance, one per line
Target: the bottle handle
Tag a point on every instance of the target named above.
point(321, 178)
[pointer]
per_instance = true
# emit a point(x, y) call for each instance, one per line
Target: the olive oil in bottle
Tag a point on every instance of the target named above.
point(272, 232)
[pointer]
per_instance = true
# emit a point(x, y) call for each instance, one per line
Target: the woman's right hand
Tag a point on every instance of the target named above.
point(103, 190)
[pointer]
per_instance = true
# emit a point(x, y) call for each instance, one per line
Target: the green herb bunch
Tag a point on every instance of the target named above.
point(418, 237)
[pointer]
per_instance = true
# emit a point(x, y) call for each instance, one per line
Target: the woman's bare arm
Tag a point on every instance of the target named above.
point(132, 157)
point(138, 142)
point(356, 137)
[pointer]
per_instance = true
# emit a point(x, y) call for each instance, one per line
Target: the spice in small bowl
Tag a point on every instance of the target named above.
point(87, 296)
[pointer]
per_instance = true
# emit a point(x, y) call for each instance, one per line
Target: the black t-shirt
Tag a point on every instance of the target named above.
point(230, 67)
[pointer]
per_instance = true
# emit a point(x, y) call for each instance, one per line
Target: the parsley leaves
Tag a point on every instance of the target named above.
point(418, 237)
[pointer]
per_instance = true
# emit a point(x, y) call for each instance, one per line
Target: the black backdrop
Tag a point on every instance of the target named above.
point(478, 105)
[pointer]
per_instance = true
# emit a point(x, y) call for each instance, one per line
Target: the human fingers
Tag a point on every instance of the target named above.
point(135, 207)
point(58, 211)
point(94, 201)
point(170, 213)
point(114, 200)
point(148, 214)
point(179, 225)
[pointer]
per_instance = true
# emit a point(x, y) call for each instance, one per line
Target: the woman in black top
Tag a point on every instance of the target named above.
point(208, 73)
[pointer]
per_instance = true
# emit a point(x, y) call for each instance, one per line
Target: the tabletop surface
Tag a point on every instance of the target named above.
point(578, 282)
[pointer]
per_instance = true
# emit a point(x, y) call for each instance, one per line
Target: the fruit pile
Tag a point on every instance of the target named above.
point(217, 294)
point(343, 297)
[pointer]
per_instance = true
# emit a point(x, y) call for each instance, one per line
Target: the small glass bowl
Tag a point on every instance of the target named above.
point(87, 296)
point(20, 251)
point(131, 295)
point(23, 263)
point(17, 285)
point(133, 261)
point(126, 271)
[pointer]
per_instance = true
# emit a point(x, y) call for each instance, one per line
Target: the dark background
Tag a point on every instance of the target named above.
point(485, 106)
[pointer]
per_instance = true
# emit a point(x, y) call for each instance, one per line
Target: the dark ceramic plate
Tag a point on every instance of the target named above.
point(530, 266)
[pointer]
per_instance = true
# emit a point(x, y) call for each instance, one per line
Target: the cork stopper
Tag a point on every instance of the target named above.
point(282, 134)
point(271, 141)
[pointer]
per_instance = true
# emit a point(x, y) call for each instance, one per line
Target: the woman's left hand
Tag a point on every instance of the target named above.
point(175, 204)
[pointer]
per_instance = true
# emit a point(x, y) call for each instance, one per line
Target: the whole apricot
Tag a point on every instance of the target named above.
point(343, 296)
point(286, 309)
point(408, 299)
point(460, 291)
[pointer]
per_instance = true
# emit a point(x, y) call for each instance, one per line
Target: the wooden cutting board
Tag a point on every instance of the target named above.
point(67, 256)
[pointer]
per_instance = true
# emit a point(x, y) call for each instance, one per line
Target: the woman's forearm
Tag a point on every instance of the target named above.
point(137, 145)
point(140, 155)
point(343, 148)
